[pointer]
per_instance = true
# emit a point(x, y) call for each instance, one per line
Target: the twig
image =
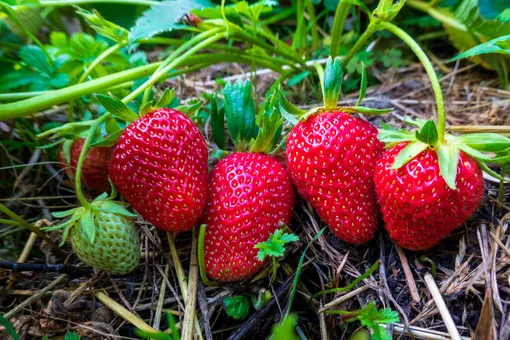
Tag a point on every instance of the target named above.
point(202, 304)
point(344, 298)
point(56, 268)
point(161, 300)
point(480, 128)
point(413, 290)
point(445, 314)
point(124, 313)
point(189, 313)
point(34, 297)
point(422, 333)
point(23, 257)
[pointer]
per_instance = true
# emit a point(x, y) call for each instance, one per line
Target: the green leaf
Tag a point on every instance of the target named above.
point(34, 57)
point(475, 154)
point(117, 108)
point(164, 18)
point(373, 318)
point(71, 336)
point(66, 148)
point(285, 329)
point(103, 26)
point(504, 16)
point(237, 306)
point(486, 142)
point(267, 137)
point(275, 245)
point(218, 123)
point(331, 81)
point(387, 9)
point(410, 151)
point(62, 214)
point(357, 3)
point(363, 87)
point(392, 137)
point(110, 140)
point(448, 157)
point(88, 227)
point(364, 110)
point(191, 108)
point(498, 45)
point(166, 98)
point(381, 333)
point(112, 207)
point(240, 113)
point(298, 78)
point(428, 133)
point(10, 330)
point(290, 112)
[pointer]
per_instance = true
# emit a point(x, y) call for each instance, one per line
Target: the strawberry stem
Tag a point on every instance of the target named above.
point(273, 278)
point(201, 260)
point(83, 155)
point(429, 68)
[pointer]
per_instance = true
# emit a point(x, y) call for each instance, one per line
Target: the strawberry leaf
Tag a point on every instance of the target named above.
point(62, 214)
point(364, 110)
point(110, 140)
point(275, 245)
point(88, 227)
point(269, 128)
point(117, 108)
point(290, 112)
point(504, 16)
point(191, 108)
point(164, 18)
point(285, 329)
point(498, 45)
point(448, 157)
point(410, 151)
point(486, 142)
point(218, 123)
point(387, 10)
point(237, 306)
point(428, 133)
point(111, 207)
point(166, 98)
point(103, 26)
point(373, 318)
point(331, 81)
point(392, 137)
point(240, 113)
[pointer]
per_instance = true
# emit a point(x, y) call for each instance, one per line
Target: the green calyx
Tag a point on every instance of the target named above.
point(331, 83)
point(249, 130)
point(484, 147)
point(85, 216)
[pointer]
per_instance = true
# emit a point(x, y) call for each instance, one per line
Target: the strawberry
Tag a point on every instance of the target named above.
point(160, 167)
point(250, 196)
point(250, 193)
point(331, 157)
point(95, 166)
point(418, 207)
point(103, 235)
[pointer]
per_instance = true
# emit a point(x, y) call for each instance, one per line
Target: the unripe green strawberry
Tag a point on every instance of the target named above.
point(116, 248)
point(102, 235)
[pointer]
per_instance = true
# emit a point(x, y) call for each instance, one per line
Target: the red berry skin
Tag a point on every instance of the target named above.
point(160, 167)
point(95, 167)
point(331, 157)
point(418, 208)
point(250, 195)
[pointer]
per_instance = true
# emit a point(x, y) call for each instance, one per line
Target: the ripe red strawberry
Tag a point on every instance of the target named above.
point(160, 167)
point(250, 196)
point(418, 207)
point(95, 167)
point(331, 157)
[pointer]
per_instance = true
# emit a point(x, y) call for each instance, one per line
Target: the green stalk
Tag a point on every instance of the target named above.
point(353, 283)
point(436, 14)
point(313, 30)
point(99, 60)
point(298, 35)
point(83, 155)
point(436, 85)
point(30, 227)
point(9, 222)
point(62, 3)
point(201, 261)
point(155, 77)
point(36, 104)
point(371, 29)
point(273, 278)
point(279, 16)
point(342, 10)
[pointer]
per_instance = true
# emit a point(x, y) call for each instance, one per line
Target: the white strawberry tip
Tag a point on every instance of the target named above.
point(485, 148)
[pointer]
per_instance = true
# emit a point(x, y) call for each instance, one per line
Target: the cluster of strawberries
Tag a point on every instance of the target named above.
point(334, 159)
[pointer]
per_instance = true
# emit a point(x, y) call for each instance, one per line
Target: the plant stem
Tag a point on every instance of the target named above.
point(436, 85)
point(359, 44)
point(83, 155)
point(313, 21)
point(279, 16)
point(62, 3)
point(436, 14)
point(155, 77)
point(274, 269)
point(32, 228)
point(98, 60)
point(342, 10)
point(353, 283)
point(201, 260)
